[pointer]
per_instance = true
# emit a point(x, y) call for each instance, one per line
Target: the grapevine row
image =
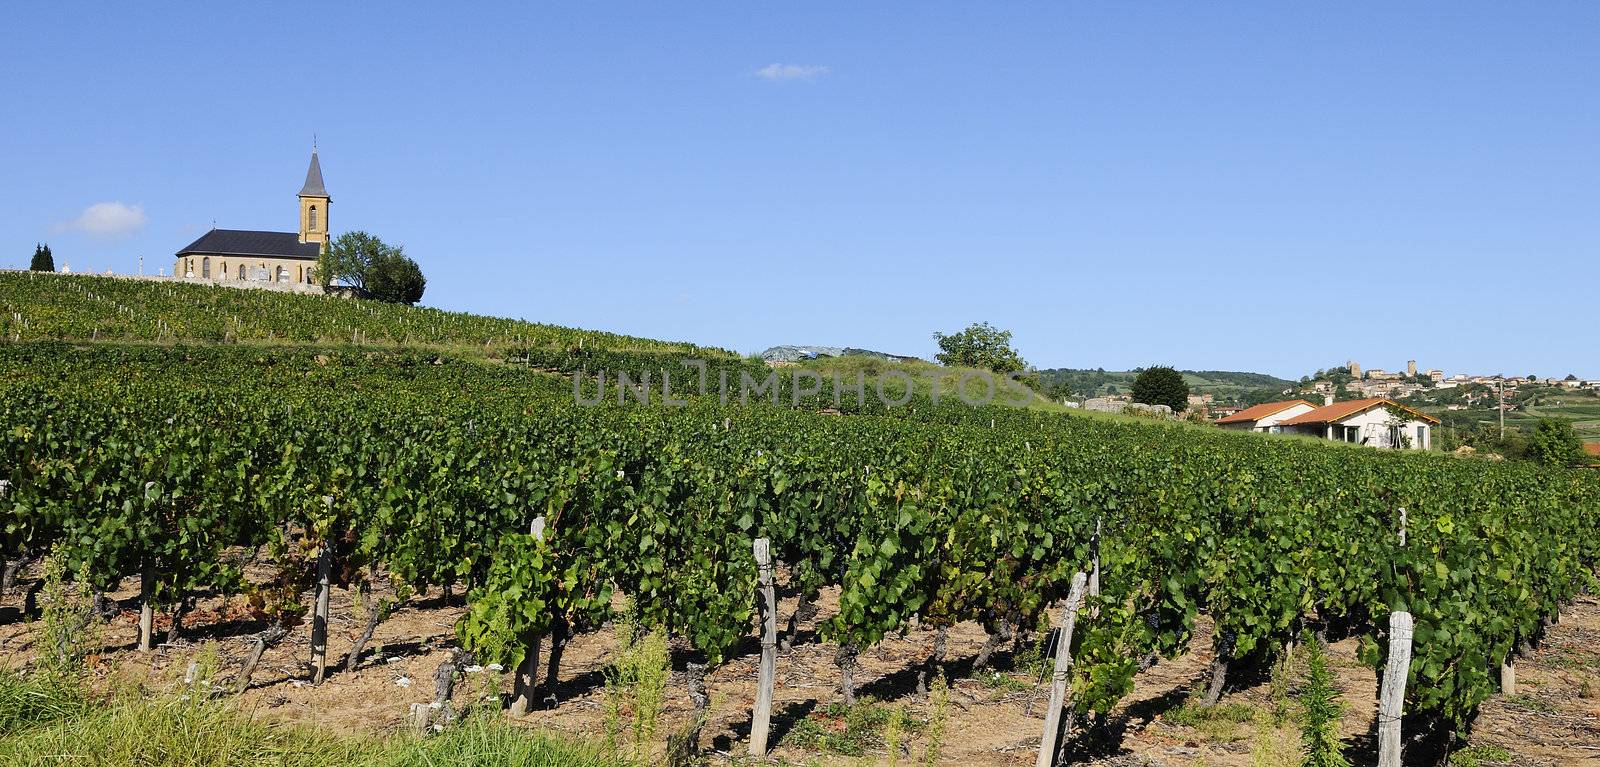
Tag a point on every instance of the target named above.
point(434, 471)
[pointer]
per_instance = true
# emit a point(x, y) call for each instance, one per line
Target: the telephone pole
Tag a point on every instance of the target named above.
point(1500, 388)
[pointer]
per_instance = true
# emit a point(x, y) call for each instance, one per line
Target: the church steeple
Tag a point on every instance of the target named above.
point(314, 203)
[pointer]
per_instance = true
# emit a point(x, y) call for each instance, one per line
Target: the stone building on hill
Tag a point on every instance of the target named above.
point(281, 258)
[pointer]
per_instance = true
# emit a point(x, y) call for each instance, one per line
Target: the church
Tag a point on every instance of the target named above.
point(288, 258)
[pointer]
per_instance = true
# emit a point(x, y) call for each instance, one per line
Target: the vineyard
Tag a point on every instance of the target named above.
point(182, 466)
point(46, 306)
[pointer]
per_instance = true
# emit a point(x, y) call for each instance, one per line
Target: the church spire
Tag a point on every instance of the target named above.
point(314, 203)
point(313, 187)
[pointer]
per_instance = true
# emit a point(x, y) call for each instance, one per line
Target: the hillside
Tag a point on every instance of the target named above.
point(383, 508)
point(46, 306)
point(1222, 384)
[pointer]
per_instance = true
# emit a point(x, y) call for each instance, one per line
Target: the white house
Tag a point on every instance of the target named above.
point(1377, 421)
point(1266, 417)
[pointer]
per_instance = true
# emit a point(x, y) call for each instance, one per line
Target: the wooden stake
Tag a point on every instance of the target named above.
point(1391, 704)
point(761, 717)
point(1094, 577)
point(525, 677)
point(147, 608)
point(1402, 526)
point(1058, 684)
point(319, 622)
point(1508, 676)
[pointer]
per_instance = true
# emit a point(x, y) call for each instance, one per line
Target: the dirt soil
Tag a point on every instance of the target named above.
point(994, 719)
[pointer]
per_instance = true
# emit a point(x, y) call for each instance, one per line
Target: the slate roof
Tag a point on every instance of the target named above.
point(314, 187)
point(1261, 411)
point(240, 242)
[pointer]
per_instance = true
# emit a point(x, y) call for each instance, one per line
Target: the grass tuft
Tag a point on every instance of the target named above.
point(45, 725)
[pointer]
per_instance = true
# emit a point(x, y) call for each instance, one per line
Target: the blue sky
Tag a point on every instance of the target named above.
point(1251, 186)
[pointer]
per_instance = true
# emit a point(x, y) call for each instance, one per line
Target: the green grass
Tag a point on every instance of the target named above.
point(1475, 756)
point(26, 703)
point(1219, 723)
point(47, 724)
point(848, 730)
point(1530, 703)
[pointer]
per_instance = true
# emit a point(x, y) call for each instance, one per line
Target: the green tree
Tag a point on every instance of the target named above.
point(981, 345)
point(363, 261)
point(1554, 443)
point(349, 258)
point(1161, 385)
point(394, 278)
point(43, 261)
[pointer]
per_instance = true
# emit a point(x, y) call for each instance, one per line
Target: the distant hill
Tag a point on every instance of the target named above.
point(1223, 384)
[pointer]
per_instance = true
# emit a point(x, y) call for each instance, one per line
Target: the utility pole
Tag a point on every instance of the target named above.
point(1501, 389)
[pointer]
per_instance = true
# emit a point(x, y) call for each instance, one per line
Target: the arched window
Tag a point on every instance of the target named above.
point(283, 274)
point(241, 271)
point(313, 219)
point(223, 270)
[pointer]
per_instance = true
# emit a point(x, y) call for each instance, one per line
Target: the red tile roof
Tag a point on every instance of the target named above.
point(1593, 448)
point(1258, 412)
point(1339, 411)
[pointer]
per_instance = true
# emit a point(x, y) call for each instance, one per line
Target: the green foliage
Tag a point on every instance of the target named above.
point(938, 716)
point(1319, 699)
point(484, 739)
point(980, 345)
point(348, 259)
point(363, 261)
point(1554, 443)
point(44, 725)
point(84, 307)
point(43, 260)
point(512, 607)
point(636, 684)
point(68, 619)
point(1161, 385)
point(28, 702)
point(1475, 756)
point(855, 730)
point(395, 278)
point(939, 514)
point(1248, 388)
point(1218, 723)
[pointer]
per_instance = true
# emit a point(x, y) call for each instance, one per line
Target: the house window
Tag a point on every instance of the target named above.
point(223, 270)
point(1422, 437)
point(283, 274)
point(205, 267)
point(313, 226)
point(241, 271)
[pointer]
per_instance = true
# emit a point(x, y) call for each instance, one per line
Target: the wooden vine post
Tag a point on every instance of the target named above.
point(319, 621)
point(1392, 696)
point(1059, 679)
point(526, 675)
point(761, 717)
point(147, 607)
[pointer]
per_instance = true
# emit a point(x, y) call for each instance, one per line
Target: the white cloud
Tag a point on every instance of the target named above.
point(109, 219)
point(791, 72)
